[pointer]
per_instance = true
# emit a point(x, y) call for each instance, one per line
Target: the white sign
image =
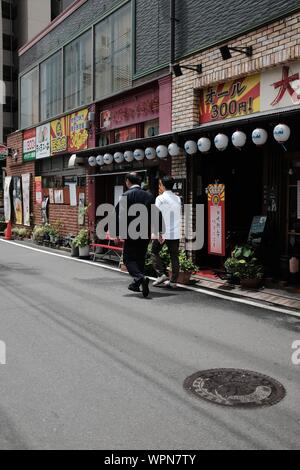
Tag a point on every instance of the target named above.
point(58, 196)
point(26, 198)
point(43, 141)
point(7, 199)
point(216, 229)
point(280, 87)
point(73, 194)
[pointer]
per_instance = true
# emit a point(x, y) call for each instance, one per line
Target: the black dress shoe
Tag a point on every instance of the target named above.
point(145, 287)
point(134, 288)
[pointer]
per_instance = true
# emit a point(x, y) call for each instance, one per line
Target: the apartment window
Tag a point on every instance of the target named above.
point(51, 87)
point(78, 72)
point(30, 98)
point(113, 62)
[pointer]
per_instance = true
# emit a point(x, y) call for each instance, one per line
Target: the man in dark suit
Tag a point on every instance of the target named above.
point(136, 245)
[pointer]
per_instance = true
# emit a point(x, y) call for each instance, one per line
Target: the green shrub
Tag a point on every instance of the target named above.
point(82, 240)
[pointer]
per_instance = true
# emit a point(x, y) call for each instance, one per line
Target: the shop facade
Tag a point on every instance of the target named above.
point(228, 122)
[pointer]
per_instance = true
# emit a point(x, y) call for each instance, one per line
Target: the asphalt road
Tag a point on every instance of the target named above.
point(92, 366)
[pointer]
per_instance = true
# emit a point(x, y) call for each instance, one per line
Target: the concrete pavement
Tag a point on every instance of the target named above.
point(92, 366)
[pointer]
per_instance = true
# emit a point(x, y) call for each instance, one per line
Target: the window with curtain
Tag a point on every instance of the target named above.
point(29, 112)
point(51, 87)
point(113, 57)
point(78, 72)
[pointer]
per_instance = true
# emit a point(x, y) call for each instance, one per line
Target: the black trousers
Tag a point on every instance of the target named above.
point(173, 247)
point(134, 257)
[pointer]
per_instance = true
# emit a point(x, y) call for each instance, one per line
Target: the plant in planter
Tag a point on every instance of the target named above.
point(250, 273)
point(240, 253)
point(187, 268)
point(82, 241)
point(15, 233)
point(38, 234)
point(22, 233)
point(165, 257)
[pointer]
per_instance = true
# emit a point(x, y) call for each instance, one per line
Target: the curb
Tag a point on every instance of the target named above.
point(233, 297)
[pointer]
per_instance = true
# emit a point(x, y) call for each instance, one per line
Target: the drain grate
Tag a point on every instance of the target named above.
point(235, 388)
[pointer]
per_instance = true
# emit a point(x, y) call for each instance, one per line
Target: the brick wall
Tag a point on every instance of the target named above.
point(273, 45)
point(66, 214)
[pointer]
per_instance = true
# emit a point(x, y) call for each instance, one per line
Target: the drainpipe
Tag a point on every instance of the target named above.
point(173, 30)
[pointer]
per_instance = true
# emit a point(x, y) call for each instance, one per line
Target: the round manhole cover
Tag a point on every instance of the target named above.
point(235, 388)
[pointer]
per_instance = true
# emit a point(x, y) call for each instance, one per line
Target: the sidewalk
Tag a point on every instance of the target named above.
point(266, 297)
point(276, 297)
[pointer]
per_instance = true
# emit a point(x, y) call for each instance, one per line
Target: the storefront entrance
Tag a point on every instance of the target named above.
point(241, 173)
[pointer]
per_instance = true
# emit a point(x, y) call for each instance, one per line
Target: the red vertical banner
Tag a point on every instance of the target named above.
point(216, 220)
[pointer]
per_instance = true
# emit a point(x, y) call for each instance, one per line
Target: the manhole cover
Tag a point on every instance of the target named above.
point(235, 388)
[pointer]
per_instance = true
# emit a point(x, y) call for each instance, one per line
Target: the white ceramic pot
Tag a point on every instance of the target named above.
point(84, 252)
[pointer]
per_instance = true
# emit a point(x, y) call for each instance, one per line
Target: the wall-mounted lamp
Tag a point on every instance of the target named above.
point(14, 154)
point(226, 54)
point(177, 69)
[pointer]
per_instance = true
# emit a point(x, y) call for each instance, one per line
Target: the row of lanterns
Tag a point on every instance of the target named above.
point(281, 134)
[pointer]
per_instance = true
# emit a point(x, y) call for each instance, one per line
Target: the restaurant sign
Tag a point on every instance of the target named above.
point(29, 145)
point(43, 141)
point(231, 99)
point(274, 89)
point(140, 108)
point(3, 152)
point(59, 139)
point(78, 135)
point(216, 219)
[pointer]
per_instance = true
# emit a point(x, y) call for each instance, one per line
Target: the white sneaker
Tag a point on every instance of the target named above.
point(171, 285)
point(160, 280)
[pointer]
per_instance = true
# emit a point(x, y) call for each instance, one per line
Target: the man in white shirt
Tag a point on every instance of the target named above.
point(169, 205)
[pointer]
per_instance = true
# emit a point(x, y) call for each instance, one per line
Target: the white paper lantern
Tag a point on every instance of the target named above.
point(139, 155)
point(162, 152)
point(108, 159)
point(119, 157)
point(221, 142)
point(100, 160)
point(92, 161)
point(191, 147)
point(239, 139)
point(204, 145)
point(150, 153)
point(173, 150)
point(259, 136)
point(128, 155)
point(282, 133)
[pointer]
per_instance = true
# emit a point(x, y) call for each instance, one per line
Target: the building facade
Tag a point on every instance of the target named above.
point(96, 94)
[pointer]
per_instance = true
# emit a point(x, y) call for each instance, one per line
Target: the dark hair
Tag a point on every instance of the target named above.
point(168, 182)
point(134, 178)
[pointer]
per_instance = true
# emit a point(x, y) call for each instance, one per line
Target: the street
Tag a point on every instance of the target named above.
point(92, 366)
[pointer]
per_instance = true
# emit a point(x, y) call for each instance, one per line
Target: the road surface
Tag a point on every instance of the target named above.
point(92, 366)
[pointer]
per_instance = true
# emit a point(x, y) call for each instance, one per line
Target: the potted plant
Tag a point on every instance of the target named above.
point(74, 249)
point(250, 273)
point(231, 265)
point(187, 268)
point(244, 267)
point(82, 241)
point(38, 234)
point(22, 233)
